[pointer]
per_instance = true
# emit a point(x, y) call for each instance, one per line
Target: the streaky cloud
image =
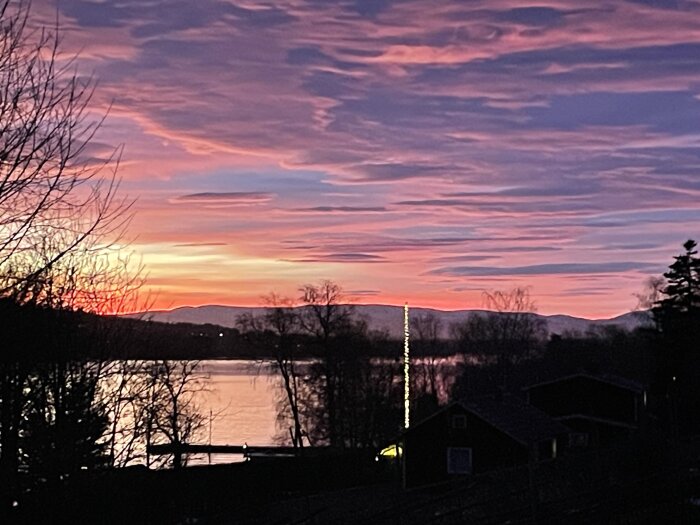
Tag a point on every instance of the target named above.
point(545, 269)
point(233, 198)
point(342, 258)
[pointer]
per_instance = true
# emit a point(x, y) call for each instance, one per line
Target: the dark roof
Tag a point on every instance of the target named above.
point(524, 423)
point(610, 379)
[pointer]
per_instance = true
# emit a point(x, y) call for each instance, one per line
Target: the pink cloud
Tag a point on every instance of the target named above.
point(422, 133)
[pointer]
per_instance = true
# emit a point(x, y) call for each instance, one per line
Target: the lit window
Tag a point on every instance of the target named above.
point(392, 451)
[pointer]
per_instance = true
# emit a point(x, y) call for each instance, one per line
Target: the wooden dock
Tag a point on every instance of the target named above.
point(245, 450)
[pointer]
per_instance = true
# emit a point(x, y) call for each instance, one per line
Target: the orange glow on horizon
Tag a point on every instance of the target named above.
point(585, 307)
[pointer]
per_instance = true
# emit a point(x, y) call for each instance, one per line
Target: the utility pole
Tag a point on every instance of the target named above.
point(210, 420)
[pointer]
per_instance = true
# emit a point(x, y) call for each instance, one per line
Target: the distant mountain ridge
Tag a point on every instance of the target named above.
point(384, 317)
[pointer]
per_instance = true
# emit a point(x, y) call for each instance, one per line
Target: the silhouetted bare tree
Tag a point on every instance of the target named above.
point(649, 297)
point(50, 188)
point(281, 323)
point(426, 331)
point(346, 397)
point(507, 333)
point(328, 321)
point(174, 413)
point(59, 217)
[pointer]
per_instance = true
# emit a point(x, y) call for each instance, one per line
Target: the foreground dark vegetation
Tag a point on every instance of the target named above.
point(639, 481)
point(66, 405)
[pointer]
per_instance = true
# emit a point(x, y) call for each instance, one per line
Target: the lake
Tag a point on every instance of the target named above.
point(242, 395)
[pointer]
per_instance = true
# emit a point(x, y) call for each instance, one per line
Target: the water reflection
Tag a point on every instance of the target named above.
point(242, 394)
point(243, 397)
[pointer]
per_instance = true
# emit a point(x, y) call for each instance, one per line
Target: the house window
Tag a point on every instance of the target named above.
point(578, 440)
point(459, 421)
point(459, 460)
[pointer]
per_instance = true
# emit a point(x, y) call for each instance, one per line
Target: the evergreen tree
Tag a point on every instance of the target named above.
point(677, 317)
point(64, 426)
point(681, 301)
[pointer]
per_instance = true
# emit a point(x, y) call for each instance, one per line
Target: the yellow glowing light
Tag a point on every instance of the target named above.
point(392, 451)
point(406, 364)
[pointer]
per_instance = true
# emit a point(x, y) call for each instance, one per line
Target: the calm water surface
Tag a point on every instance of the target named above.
point(242, 397)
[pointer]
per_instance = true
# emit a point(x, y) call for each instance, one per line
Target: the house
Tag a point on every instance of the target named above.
point(598, 408)
point(474, 437)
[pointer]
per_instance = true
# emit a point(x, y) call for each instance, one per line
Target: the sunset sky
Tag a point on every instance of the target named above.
point(412, 150)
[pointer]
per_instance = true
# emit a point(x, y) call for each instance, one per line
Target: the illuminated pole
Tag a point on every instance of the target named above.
point(406, 365)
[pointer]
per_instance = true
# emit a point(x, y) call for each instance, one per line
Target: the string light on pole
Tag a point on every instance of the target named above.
point(406, 369)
